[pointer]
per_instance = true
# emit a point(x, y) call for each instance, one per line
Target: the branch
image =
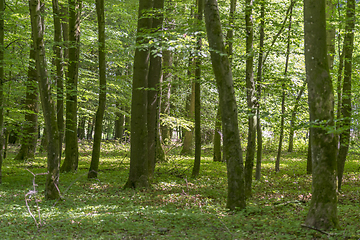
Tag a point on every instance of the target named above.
point(319, 230)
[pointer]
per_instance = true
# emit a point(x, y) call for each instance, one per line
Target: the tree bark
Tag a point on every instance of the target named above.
point(217, 136)
point(196, 168)
point(346, 91)
point(323, 206)
point(250, 93)
point(95, 157)
point(166, 91)
point(53, 161)
point(119, 123)
point(2, 34)
point(71, 141)
point(139, 174)
point(154, 86)
point(222, 69)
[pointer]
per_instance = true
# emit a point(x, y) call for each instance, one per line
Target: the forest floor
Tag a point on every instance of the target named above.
point(175, 207)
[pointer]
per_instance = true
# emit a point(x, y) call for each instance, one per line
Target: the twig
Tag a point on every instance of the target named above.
point(227, 228)
point(319, 230)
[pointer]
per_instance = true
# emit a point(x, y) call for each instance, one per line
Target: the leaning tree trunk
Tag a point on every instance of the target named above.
point(154, 76)
point(346, 92)
point(71, 140)
point(250, 94)
point(323, 206)
point(225, 85)
point(53, 161)
point(94, 165)
point(2, 9)
point(196, 168)
point(30, 130)
point(139, 175)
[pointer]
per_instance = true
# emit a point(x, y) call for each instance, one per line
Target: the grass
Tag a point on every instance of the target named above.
point(175, 207)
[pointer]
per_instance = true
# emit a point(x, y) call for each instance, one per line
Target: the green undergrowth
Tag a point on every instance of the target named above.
point(175, 207)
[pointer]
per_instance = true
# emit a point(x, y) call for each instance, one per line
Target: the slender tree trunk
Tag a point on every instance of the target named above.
point(346, 92)
point(250, 93)
point(166, 91)
point(53, 161)
point(81, 128)
point(154, 85)
point(293, 118)
point(190, 108)
point(2, 34)
point(258, 99)
point(119, 123)
point(282, 121)
point(223, 75)
point(323, 206)
point(217, 136)
point(196, 168)
point(30, 130)
point(95, 157)
point(59, 71)
point(139, 174)
point(71, 140)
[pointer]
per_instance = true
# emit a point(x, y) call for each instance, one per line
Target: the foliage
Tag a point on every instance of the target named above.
point(175, 207)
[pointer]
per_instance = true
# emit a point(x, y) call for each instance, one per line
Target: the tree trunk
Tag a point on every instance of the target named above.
point(119, 123)
point(2, 34)
point(196, 168)
point(282, 121)
point(217, 136)
point(259, 79)
point(250, 93)
point(94, 165)
point(308, 158)
point(293, 118)
point(59, 71)
point(53, 161)
point(138, 176)
point(153, 86)
point(71, 140)
point(223, 75)
point(30, 130)
point(323, 206)
point(166, 91)
point(346, 92)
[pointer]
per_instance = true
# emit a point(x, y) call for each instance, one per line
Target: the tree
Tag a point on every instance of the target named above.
point(53, 161)
point(323, 206)
point(225, 86)
point(250, 97)
point(71, 141)
point(2, 11)
point(139, 175)
point(346, 91)
point(94, 165)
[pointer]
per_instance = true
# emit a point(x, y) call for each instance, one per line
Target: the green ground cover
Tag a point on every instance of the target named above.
point(175, 207)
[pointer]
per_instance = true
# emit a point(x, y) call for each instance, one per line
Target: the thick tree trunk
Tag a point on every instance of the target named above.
point(95, 157)
point(53, 160)
point(30, 129)
point(196, 168)
point(323, 206)
point(2, 34)
point(259, 79)
point(138, 176)
point(154, 86)
point(223, 75)
point(250, 93)
point(346, 92)
point(71, 140)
